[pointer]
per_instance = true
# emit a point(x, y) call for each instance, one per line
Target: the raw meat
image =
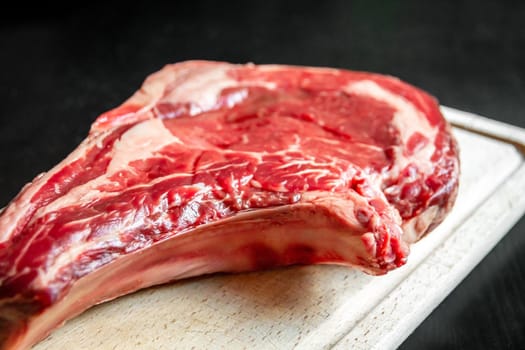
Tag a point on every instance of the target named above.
point(218, 167)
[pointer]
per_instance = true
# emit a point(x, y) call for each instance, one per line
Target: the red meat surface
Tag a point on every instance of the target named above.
point(215, 167)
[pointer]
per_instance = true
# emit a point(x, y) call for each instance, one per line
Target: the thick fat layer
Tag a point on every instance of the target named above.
point(139, 142)
point(206, 144)
point(404, 120)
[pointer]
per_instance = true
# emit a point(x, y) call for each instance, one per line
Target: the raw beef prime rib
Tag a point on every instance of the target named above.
point(218, 167)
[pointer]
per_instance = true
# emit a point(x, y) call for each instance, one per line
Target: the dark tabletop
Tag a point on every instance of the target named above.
point(60, 69)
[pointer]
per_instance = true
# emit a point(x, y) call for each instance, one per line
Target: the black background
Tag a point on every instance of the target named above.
point(61, 67)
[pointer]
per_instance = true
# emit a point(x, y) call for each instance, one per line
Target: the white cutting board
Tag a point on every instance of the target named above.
point(322, 307)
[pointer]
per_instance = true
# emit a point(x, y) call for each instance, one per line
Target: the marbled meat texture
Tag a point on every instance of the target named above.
point(218, 167)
